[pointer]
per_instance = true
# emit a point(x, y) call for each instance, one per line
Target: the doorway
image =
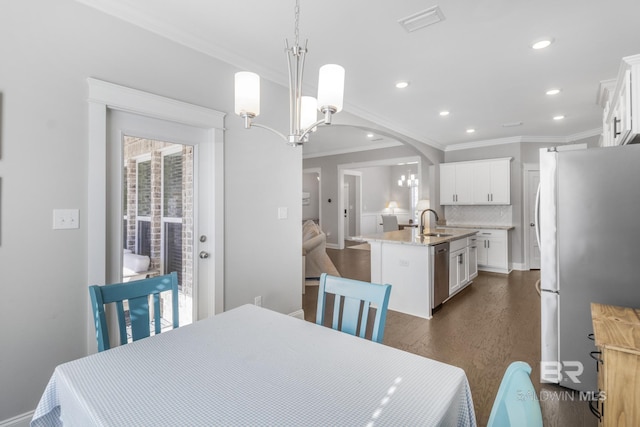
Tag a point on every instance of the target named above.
point(350, 205)
point(153, 117)
point(158, 217)
point(532, 249)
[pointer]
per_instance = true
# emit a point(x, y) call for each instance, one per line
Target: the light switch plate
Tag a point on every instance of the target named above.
point(65, 219)
point(283, 213)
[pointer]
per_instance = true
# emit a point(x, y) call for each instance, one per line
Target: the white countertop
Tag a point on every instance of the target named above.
point(411, 236)
point(480, 226)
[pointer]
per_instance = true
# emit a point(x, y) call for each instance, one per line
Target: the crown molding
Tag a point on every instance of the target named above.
point(353, 150)
point(520, 139)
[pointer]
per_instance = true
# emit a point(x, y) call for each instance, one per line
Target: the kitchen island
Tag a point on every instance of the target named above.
point(405, 259)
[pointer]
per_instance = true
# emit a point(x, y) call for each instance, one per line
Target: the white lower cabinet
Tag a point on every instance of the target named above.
point(493, 250)
point(459, 264)
point(472, 258)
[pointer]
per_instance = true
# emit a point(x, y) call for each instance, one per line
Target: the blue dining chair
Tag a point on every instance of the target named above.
point(136, 293)
point(516, 403)
point(355, 298)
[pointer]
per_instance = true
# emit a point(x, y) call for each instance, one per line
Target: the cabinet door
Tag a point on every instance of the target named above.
point(492, 182)
point(500, 176)
point(454, 283)
point(497, 253)
point(622, 111)
point(464, 183)
point(482, 183)
point(447, 184)
point(472, 258)
point(482, 255)
point(463, 272)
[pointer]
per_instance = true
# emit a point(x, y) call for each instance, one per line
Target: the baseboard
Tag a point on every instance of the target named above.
point(22, 420)
point(493, 270)
point(519, 267)
point(332, 246)
point(298, 313)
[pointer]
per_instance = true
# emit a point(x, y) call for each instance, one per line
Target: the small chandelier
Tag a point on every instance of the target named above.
point(412, 181)
point(303, 115)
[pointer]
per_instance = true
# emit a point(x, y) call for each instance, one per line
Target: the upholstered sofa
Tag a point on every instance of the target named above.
point(314, 251)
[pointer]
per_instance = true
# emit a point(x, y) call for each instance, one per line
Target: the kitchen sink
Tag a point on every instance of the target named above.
point(437, 234)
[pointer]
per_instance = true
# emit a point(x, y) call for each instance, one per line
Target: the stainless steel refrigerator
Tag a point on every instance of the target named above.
point(589, 237)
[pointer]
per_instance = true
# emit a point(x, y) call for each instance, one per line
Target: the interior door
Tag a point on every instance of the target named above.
point(346, 213)
point(159, 140)
point(534, 249)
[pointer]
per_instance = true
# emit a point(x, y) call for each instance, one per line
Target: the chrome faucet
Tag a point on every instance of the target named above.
point(422, 218)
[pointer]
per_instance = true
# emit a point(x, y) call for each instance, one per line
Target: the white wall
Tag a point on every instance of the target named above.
point(48, 50)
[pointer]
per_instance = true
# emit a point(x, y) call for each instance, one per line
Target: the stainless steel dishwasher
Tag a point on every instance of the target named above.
point(440, 273)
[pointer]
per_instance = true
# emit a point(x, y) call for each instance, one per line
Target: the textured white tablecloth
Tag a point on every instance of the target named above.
point(252, 366)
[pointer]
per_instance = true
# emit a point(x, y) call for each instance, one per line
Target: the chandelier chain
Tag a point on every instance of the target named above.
point(296, 31)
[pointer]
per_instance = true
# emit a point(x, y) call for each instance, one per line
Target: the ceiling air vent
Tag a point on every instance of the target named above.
point(422, 19)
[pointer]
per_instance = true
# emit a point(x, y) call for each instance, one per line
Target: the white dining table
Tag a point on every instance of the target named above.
point(254, 366)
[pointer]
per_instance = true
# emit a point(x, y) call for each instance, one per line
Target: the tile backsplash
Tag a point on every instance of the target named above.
point(478, 215)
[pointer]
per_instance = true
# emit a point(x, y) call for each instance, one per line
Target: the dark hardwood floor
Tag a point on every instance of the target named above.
point(491, 323)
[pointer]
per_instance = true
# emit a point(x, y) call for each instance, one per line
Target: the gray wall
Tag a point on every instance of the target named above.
point(48, 50)
point(329, 166)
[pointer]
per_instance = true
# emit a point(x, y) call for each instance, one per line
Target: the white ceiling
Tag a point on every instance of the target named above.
point(476, 63)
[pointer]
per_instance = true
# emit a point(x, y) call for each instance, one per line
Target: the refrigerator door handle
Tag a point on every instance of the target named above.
point(537, 216)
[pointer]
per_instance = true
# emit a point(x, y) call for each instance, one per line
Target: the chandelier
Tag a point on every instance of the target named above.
point(410, 182)
point(303, 109)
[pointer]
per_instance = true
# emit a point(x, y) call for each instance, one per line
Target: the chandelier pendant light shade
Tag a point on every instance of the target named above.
point(303, 109)
point(412, 181)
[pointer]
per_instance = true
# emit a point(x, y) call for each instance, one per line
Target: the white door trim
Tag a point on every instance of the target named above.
point(319, 172)
point(341, 207)
point(526, 168)
point(104, 96)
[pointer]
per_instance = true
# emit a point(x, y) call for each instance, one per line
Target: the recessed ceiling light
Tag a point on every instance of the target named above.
point(370, 135)
point(471, 130)
point(558, 117)
point(444, 113)
point(553, 91)
point(402, 85)
point(542, 43)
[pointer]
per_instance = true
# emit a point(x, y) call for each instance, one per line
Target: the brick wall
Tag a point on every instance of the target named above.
point(135, 148)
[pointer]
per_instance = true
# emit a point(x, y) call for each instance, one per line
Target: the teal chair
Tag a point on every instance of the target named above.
point(355, 298)
point(516, 403)
point(137, 294)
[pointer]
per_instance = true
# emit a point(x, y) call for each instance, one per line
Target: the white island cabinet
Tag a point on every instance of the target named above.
point(405, 259)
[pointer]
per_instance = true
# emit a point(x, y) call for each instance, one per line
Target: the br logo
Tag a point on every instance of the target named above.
point(552, 372)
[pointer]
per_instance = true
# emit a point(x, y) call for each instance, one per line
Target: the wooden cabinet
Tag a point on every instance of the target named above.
point(493, 251)
point(456, 183)
point(480, 182)
point(617, 336)
point(620, 99)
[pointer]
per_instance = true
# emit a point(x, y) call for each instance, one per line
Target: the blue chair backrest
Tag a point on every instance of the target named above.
point(516, 403)
point(355, 297)
point(137, 294)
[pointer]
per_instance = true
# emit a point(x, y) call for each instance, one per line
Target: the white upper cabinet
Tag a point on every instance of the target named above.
point(620, 100)
point(481, 182)
point(492, 182)
point(456, 183)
